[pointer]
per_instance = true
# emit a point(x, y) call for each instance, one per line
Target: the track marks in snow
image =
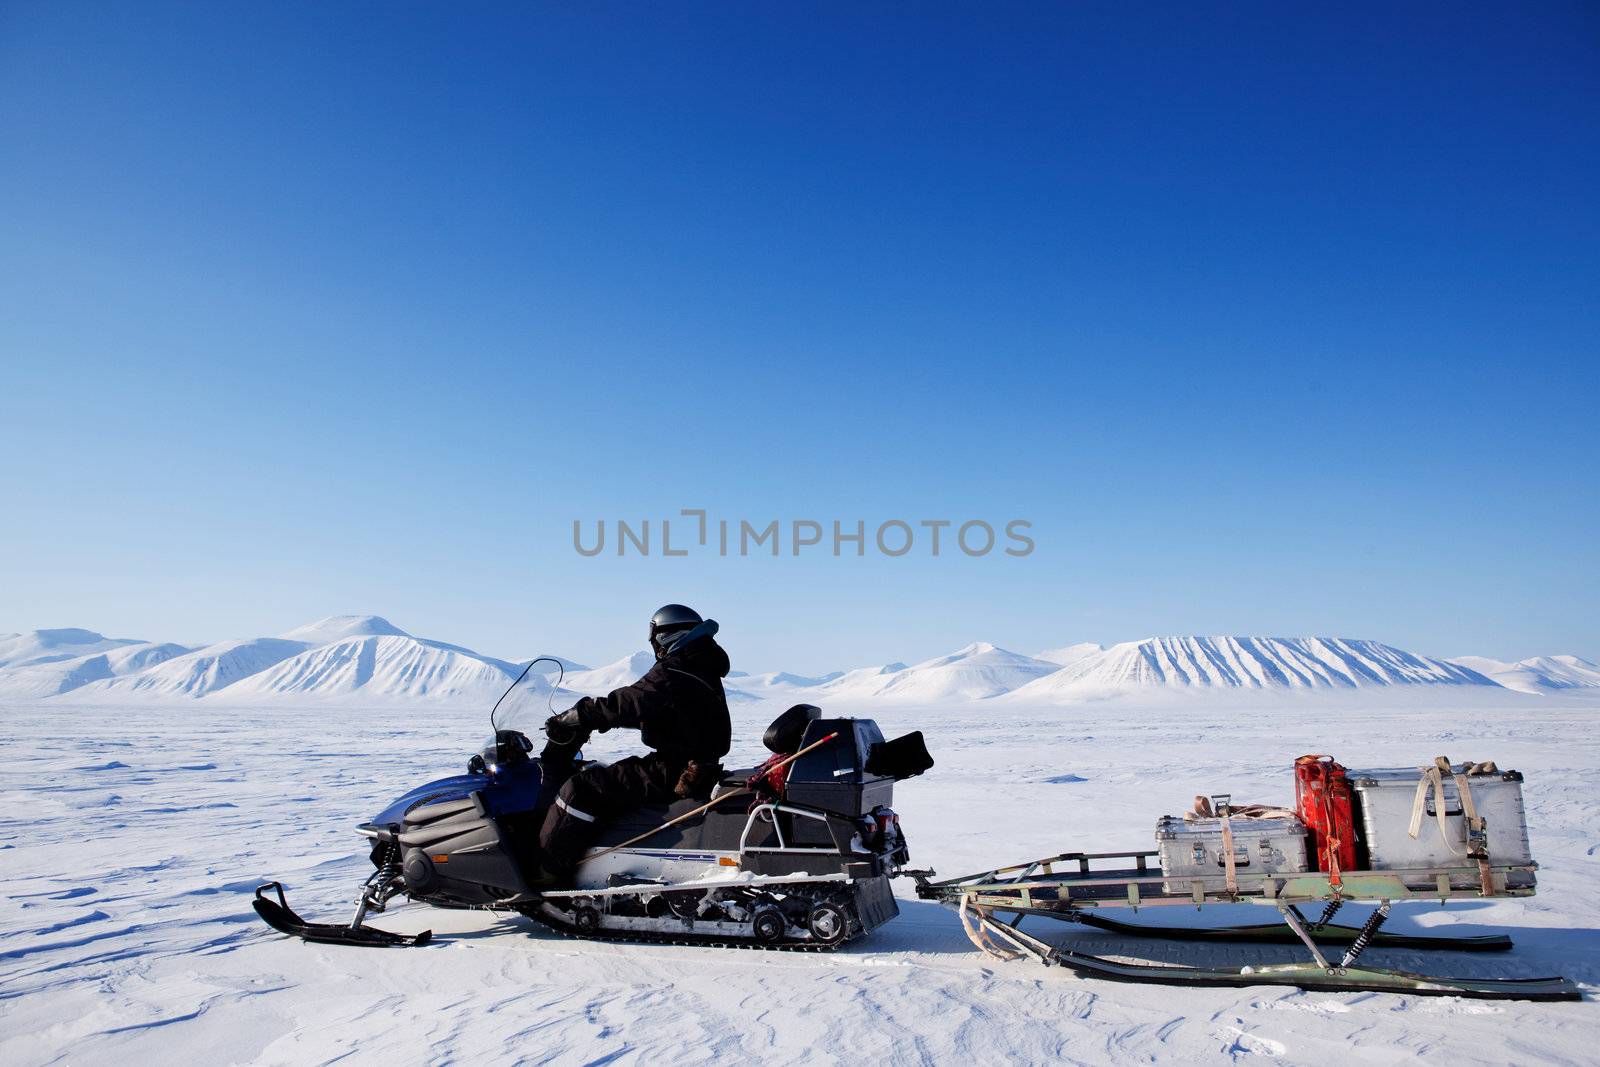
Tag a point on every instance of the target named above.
point(1245, 1044)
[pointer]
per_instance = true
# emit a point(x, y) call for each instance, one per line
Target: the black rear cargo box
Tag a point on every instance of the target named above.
point(835, 777)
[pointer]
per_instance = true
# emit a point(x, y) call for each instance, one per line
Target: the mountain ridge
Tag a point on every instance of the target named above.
point(1231, 663)
point(344, 658)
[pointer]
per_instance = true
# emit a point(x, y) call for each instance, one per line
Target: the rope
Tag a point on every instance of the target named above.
point(972, 923)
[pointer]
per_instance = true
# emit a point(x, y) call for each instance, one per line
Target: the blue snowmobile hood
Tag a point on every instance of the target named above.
point(512, 790)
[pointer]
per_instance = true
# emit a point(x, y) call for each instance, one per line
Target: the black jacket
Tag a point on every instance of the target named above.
point(678, 707)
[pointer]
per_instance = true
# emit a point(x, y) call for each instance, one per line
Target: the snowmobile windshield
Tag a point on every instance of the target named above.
point(532, 698)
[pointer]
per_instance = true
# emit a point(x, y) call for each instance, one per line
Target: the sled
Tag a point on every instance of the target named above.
point(1072, 886)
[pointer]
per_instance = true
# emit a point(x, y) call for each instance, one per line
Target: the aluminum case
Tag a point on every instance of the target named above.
point(1384, 801)
point(1191, 850)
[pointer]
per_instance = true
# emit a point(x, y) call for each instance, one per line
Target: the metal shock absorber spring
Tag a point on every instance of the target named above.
point(379, 886)
point(389, 869)
point(1328, 913)
point(1368, 930)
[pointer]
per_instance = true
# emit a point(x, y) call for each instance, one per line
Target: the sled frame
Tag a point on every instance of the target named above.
point(1074, 885)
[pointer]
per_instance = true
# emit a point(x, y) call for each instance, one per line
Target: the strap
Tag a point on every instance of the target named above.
point(1335, 879)
point(1469, 809)
point(1227, 854)
point(1330, 844)
point(1432, 778)
point(1419, 804)
point(1477, 828)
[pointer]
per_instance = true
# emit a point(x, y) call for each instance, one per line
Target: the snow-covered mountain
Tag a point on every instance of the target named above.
point(1287, 663)
point(979, 670)
point(598, 681)
point(341, 658)
point(774, 683)
point(353, 658)
point(1540, 674)
point(338, 627)
point(862, 680)
point(543, 666)
point(196, 673)
point(55, 677)
point(1070, 653)
point(386, 666)
point(51, 646)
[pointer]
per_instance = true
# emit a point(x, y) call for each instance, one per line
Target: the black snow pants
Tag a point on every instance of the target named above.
point(593, 797)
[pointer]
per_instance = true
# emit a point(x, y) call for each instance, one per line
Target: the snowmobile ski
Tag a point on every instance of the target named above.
point(282, 918)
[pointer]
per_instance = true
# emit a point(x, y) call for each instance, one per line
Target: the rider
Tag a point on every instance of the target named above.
point(681, 713)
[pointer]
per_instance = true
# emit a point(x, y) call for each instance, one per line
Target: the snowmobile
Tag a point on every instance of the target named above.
point(795, 853)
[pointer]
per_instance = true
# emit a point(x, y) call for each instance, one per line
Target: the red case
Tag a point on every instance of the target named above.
point(1322, 795)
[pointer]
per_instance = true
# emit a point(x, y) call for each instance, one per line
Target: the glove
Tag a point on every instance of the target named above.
point(567, 721)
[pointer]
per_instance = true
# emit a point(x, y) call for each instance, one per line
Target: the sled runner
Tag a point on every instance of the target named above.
point(1318, 854)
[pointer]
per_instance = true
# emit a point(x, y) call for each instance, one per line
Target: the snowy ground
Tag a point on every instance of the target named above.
point(130, 840)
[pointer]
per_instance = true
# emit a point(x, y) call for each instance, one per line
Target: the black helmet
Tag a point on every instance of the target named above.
point(673, 619)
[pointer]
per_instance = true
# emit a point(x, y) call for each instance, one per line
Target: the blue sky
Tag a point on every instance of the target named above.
point(1268, 324)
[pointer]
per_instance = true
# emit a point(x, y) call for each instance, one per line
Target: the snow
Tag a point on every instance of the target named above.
point(542, 665)
point(1070, 653)
point(379, 668)
point(1232, 663)
point(63, 676)
point(132, 843)
point(331, 661)
point(50, 646)
point(338, 627)
point(352, 657)
point(197, 673)
point(1537, 674)
point(774, 682)
point(599, 681)
point(861, 680)
point(977, 670)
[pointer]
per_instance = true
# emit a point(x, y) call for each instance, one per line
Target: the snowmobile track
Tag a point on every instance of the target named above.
point(643, 938)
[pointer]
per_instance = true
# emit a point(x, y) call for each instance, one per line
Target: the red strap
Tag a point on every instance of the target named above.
point(1330, 840)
